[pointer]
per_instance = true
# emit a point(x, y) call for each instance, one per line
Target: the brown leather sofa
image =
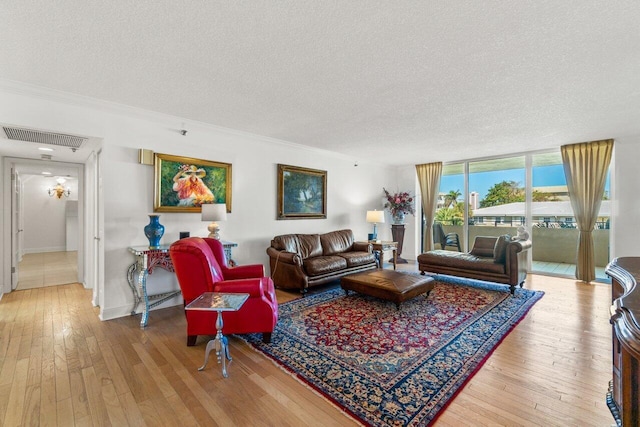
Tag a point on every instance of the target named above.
point(300, 261)
point(494, 259)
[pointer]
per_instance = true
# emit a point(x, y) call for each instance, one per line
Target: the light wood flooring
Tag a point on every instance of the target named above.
point(60, 365)
point(38, 270)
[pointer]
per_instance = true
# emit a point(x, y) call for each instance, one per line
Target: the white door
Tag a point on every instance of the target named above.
point(96, 257)
point(16, 227)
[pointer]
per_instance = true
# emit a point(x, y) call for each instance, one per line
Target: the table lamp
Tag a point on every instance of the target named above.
point(375, 217)
point(214, 212)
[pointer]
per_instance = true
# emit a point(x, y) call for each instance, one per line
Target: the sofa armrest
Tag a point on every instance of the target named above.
point(283, 256)
point(363, 247)
point(516, 260)
point(520, 245)
point(286, 269)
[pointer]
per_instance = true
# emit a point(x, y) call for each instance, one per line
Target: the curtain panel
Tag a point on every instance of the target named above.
point(585, 169)
point(429, 179)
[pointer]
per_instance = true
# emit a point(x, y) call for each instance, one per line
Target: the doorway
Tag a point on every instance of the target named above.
point(48, 232)
point(46, 211)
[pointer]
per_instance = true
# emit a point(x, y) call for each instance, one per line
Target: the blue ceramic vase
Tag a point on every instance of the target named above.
point(154, 231)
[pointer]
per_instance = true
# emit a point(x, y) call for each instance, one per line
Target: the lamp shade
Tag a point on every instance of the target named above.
point(214, 212)
point(376, 217)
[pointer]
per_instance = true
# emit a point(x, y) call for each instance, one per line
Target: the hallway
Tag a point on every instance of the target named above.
point(43, 269)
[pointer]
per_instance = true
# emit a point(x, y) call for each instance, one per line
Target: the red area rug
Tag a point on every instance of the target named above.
point(390, 367)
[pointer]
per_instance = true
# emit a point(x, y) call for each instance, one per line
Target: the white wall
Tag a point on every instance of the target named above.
point(128, 186)
point(625, 206)
point(71, 225)
point(44, 216)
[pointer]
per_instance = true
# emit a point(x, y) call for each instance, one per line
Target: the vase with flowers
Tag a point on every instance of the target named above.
point(399, 204)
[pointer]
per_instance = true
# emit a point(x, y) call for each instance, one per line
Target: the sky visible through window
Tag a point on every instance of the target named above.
point(481, 182)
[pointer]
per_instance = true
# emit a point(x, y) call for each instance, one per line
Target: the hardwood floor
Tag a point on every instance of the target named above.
point(37, 270)
point(60, 365)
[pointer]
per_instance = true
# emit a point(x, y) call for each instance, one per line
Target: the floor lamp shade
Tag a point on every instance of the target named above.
point(214, 212)
point(375, 217)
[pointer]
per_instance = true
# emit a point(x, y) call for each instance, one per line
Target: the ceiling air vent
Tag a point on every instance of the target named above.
point(40, 137)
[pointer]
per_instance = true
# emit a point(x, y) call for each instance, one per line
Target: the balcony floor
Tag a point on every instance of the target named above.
point(565, 270)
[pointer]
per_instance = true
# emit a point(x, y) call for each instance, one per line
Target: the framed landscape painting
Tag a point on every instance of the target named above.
point(184, 184)
point(302, 193)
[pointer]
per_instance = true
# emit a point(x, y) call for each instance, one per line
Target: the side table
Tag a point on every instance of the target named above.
point(219, 302)
point(380, 247)
point(397, 232)
point(146, 260)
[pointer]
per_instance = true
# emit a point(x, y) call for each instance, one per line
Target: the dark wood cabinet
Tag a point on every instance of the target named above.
point(623, 397)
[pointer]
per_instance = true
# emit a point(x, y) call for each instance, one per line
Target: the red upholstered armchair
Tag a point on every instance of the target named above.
point(201, 266)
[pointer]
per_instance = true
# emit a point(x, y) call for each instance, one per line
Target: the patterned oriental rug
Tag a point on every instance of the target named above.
point(390, 367)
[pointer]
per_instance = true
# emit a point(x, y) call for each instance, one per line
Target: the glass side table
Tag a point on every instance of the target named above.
point(219, 302)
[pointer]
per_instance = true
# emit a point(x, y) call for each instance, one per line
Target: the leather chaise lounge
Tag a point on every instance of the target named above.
point(493, 259)
point(300, 261)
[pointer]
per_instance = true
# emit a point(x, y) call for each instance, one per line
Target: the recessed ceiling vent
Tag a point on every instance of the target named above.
point(40, 137)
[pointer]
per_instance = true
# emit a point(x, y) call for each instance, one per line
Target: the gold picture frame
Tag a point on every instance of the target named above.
point(302, 193)
point(184, 184)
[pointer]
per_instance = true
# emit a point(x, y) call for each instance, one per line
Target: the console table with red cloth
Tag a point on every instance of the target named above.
point(201, 266)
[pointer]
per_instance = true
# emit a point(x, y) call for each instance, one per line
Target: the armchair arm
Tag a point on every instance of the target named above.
point(248, 271)
point(253, 287)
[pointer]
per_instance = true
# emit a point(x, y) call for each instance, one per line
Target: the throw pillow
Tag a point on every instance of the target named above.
point(500, 249)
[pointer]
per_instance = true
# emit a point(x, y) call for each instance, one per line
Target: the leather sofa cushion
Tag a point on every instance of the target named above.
point(500, 249)
point(324, 264)
point(483, 246)
point(309, 245)
point(356, 258)
point(305, 245)
point(336, 242)
point(461, 260)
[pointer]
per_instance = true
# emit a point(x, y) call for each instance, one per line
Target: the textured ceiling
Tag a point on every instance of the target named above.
point(396, 82)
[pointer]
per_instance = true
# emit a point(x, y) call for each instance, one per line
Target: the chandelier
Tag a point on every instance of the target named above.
point(59, 190)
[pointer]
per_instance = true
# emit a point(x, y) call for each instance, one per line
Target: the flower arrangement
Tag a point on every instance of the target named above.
point(402, 203)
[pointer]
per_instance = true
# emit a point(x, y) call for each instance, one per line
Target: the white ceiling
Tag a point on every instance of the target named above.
point(398, 82)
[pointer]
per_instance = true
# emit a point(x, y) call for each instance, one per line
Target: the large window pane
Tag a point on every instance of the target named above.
point(554, 232)
point(500, 188)
point(450, 207)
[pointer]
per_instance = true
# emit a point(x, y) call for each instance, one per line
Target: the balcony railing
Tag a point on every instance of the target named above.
point(550, 244)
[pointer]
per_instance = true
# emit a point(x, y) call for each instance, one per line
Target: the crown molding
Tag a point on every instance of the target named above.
point(69, 98)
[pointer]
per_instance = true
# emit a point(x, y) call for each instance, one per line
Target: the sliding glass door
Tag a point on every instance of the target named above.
point(492, 197)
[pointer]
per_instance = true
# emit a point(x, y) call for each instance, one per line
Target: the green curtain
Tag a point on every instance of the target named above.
point(585, 169)
point(429, 179)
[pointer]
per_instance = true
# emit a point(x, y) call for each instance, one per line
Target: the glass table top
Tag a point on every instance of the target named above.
point(218, 301)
